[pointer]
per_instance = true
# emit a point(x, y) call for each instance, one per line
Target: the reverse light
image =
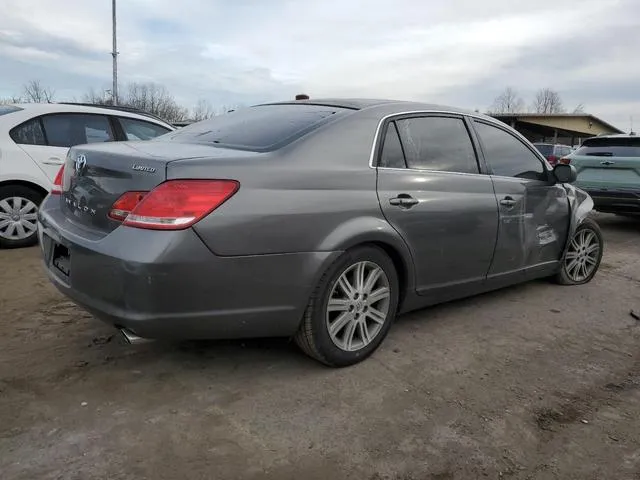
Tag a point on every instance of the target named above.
point(565, 160)
point(173, 205)
point(57, 182)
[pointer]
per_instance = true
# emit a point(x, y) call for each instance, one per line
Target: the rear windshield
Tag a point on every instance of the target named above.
point(610, 147)
point(4, 109)
point(259, 129)
point(544, 149)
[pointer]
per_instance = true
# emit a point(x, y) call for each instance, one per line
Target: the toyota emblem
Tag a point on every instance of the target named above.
point(81, 162)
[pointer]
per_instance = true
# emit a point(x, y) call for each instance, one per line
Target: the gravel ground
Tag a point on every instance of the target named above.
point(532, 382)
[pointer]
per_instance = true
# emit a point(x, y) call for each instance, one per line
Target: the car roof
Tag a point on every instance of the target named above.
point(43, 108)
point(349, 103)
point(371, 103)
point(615, 135)
point(387, 107)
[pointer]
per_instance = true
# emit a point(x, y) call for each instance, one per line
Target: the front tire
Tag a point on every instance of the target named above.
point(352, 308)
point(583, 256)
point(18, 216)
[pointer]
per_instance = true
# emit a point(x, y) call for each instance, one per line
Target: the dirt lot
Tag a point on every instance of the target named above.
point(532, 382)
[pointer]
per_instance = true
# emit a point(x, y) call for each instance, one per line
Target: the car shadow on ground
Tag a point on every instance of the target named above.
point(266, 353)
point(618, 223)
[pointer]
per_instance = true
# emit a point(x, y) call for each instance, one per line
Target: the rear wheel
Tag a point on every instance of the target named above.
point(352, 308)
point(583, 255)
point(18, 216)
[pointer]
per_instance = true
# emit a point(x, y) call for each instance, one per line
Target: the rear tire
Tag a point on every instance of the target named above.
point(352, 308)
point(18, 214)
point(584, 255)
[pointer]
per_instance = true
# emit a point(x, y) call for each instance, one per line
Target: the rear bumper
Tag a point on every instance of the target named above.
point(170, 285)
point(616, 201)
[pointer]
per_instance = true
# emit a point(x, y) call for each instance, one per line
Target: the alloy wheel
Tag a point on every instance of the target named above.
point(358, 306)
point(582, 256)
point(18, 217)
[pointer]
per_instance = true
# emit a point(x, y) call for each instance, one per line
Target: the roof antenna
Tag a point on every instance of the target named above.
point(631, 132)
point(302, 96)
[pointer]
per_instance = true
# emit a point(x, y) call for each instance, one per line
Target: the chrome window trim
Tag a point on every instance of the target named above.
point(443, 172)
point(489, 120)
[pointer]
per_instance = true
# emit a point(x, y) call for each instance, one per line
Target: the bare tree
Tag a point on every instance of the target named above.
point(148, 97)
point(548, 101)
point(11, 99)
point(202, 111)
point(579, 108)
point(98, 97)
point(155, 99)
point(509, 101)
point(34, 92)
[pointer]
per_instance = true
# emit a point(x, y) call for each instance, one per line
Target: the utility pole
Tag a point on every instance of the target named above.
point(114, 54)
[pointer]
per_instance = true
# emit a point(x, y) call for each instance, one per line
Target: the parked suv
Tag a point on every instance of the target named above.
point(552, 152)
point(608, 168)
point(34, 140)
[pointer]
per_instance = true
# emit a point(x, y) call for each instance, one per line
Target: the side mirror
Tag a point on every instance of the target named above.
point(565, 173)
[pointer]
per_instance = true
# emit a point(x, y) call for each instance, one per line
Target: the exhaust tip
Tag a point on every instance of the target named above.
point(132, 338)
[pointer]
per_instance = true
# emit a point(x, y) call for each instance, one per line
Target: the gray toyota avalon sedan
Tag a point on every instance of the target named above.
point(318, 219)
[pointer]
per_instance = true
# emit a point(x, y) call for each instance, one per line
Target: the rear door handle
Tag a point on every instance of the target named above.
point(507, 202)
point(53, 161)
point(403, 200)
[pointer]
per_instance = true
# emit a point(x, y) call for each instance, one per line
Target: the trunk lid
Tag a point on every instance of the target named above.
point(96, 175)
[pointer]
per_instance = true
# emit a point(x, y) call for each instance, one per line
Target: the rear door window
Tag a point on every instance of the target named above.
point(392, 154)
point(29, 133)
point(69, 129)
point(437, 143)
point(610, 147)
point(140, 130)
point(259, 129)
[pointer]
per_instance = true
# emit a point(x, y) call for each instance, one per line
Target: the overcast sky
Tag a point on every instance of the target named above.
point(457, 52)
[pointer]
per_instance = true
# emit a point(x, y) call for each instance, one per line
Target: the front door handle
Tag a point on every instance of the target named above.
point(403, 200)
point(507, 202)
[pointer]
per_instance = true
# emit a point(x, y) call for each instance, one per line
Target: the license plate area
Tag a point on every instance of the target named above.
point(61, 259)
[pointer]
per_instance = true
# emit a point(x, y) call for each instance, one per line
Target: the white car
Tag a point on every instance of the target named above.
point(34, 140)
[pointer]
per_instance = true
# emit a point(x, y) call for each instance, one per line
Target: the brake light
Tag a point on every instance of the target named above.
point(57, 182)
point(565, 160)
point(125, 204)
point(175, 204)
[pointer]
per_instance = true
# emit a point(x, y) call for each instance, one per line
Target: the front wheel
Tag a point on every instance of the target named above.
point(583, 256)
point(352, 308)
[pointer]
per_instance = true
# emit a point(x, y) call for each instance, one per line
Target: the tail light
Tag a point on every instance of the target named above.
point(173, 205)
point(565, 160)
point(552, 159)
point(125, 204)
point(57, 182)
